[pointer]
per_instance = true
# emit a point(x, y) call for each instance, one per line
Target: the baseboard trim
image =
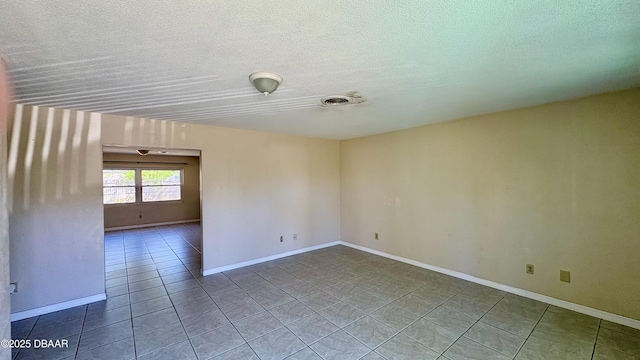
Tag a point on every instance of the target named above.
point(129, 227)
point(267, 258)
point(528, 294)
point(57, 307)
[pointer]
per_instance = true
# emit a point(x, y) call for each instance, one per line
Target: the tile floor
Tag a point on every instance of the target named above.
point(333, 303)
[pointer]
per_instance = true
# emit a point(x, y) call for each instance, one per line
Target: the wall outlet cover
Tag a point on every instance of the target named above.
point(565, 276)
point(376, 236)
point(529, 269)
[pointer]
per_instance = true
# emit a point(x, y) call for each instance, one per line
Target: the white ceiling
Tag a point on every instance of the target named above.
point(415, 61)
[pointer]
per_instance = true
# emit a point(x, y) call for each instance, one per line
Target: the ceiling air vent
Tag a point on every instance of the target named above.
point(352, 97)
point(336, 100)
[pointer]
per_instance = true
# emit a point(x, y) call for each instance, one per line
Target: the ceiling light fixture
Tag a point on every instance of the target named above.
point(265, 82)
point(143, 152)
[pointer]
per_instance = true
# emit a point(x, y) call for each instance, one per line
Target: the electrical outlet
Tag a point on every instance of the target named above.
point(281, 239)
point(13, 288)
point(565, 276)
point(295, 237)
point(530, 269)
point(376, 236)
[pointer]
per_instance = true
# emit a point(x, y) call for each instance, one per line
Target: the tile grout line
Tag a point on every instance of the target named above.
point(160, 277)
point(225, 315)
point(174, 306)
point(397, 332)
point(331, 333)
point(86, 311)
point(407, 326)
point(267, 310)
point(174, 252)
point(595, 343)
point(477, 321)
point(532, 330)
point(133, 332)
point(437, 307)
point(285, 325)
point(495, 327)
point(86, 314)
point(261, 275)
point(28, 334)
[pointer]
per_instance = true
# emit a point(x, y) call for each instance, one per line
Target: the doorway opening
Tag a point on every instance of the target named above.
point(152, 220)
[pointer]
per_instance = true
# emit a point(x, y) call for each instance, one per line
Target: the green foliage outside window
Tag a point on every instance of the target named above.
point(119, 185)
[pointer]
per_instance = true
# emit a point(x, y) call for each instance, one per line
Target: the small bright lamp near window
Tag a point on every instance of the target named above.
point(265, 82)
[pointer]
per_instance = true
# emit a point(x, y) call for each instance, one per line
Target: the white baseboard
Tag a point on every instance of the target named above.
point(528, 294)
point(268, 258)
point(129, 227)
point(56, 307)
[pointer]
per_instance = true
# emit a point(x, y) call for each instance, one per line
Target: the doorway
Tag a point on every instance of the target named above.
point(152, 217)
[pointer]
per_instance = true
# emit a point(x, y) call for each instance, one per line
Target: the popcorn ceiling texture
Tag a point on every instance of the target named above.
point(416, 62)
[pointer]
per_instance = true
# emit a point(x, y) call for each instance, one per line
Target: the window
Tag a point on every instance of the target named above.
point(131, 186)
point(119, 186)
point(160, 185)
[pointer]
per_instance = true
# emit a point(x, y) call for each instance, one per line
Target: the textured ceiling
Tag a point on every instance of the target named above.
point(415, 61)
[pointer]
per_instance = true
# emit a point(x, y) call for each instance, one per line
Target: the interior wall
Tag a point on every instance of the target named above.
point(557, 186)
point(5, 302)
point(55, 219)
point(256, 186)
point(120, 215)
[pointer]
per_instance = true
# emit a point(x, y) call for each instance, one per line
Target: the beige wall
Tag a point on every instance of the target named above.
point(55, 219)
point(157, 212)
point(256, 186)
point(557, 186)
point(554, 185)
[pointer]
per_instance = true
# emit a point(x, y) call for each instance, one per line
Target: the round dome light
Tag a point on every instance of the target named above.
point(265, 82)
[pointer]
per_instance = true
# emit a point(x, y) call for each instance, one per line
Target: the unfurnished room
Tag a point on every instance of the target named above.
point(320, 180)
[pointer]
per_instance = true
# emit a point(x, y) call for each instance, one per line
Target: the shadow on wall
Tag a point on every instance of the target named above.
point(48, 151)
point(55, 206)
point(149, 132)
